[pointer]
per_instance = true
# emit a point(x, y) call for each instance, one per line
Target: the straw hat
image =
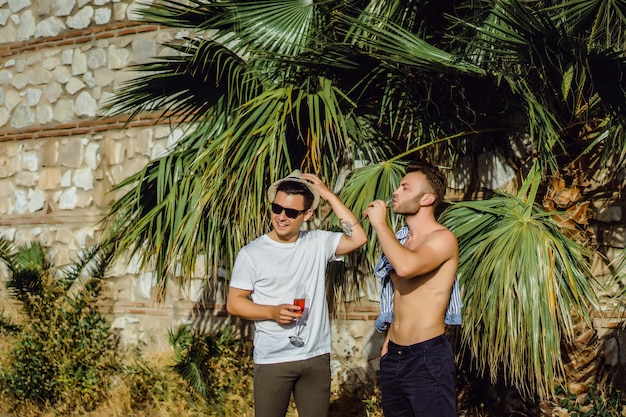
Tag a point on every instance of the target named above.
point(295, 176)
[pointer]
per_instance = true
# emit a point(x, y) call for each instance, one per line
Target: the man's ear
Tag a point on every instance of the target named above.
point(308, 215)
point(428, 199)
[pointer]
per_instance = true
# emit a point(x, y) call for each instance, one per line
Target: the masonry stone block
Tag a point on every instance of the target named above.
point(144, 49)
point(8, 166)
point(44, 113)
point(50, 178)
point(82, 19)
point(103, 77)
point(145, 285)
point(67, 56)
point(83, 199)
point(51, 26)
point(96, 58)
point(23, 117)
point(64, 110)
point(62, 74)
point(52, 92)
point(119, 11)
point(71, 153)
point(62, 7)
point(115, 174)
point(20, 65)
point(20, 202)
point(101, 196)
point(38, 76)
point(68, 199)
point(6, 188)
point(26, 179)
point(86, 105)
point(74, 85)
point(29, 161)
point(33, 95)
point(12, 99)
point(79, 63)
point(36, 200)
point(66, 178)
point(92, 155)
point(83, 178)
point(141, 144)
point(4, 16)
point(63, 235)
point(23, 236)
point(6, 77)
point(8, 34)
point(114, 152)
point(6, 206)
point(17, 5)
point(102, 16)
point(20, 80)
point(34, 59)
point(118, 58)
point(132, 166)
point(27, 26)
point(4, 116)
point(10, 149)
point(50, 153)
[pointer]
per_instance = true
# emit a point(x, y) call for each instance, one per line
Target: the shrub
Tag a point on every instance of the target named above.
point(62, 356)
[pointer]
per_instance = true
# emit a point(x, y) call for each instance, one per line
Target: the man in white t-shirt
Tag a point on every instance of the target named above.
point(291, 347)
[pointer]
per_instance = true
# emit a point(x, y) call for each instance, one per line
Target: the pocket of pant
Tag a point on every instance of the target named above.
point(439, 363)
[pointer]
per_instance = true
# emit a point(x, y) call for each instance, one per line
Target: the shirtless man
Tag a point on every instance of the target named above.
point(417, 368)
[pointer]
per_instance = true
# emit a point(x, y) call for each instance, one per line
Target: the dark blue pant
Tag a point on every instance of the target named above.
point(418, 380)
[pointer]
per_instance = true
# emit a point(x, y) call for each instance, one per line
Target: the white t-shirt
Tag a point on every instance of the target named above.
point(271, 271)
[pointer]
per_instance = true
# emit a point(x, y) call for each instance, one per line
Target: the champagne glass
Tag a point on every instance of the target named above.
point(299, 300)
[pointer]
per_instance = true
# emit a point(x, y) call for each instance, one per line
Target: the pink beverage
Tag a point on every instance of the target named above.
point(300, 303)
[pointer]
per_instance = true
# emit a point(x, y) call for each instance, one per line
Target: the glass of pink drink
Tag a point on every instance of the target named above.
point(299, 300)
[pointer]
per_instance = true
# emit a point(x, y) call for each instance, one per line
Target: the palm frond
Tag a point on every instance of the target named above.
point(601, 22)
point(523, 280)
point(7, 252)
point(394, 44)
point(204, 78)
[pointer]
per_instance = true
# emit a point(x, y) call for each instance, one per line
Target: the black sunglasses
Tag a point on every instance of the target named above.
point(289, 212)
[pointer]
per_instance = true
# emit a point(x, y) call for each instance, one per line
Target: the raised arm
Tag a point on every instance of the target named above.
point(425, 250)
point(358, 238)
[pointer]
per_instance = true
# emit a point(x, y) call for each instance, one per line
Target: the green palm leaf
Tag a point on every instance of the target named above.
point(523, 280)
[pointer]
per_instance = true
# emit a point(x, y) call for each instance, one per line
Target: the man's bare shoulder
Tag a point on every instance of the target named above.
point(442, 242)
point(444, 234)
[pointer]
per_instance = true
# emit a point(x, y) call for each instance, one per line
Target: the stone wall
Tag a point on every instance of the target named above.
point(60, 156)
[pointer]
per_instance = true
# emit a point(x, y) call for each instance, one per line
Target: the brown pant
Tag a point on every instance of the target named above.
point(309, 380)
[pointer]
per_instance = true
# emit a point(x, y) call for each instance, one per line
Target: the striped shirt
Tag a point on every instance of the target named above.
point(382, 270)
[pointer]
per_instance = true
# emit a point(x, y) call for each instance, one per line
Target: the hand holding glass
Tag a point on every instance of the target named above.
point(299, 300)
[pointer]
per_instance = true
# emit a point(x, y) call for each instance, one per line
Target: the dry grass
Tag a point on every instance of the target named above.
point(152, 389)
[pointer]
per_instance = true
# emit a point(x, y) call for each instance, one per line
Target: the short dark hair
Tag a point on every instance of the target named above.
point(435, 177)
point(297, 188)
